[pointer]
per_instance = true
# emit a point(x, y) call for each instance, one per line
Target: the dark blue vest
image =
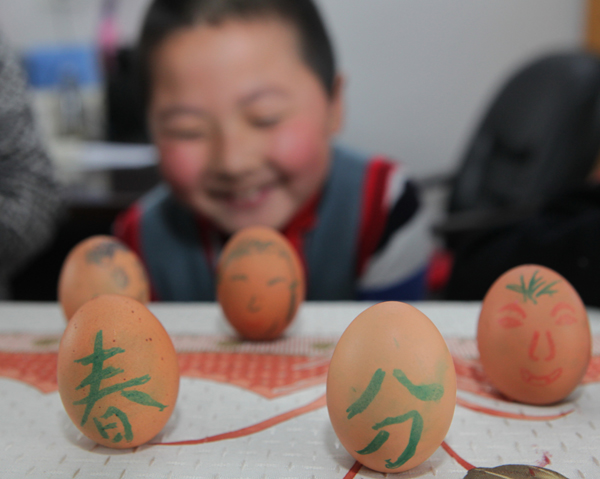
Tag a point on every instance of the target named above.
point(170, 241)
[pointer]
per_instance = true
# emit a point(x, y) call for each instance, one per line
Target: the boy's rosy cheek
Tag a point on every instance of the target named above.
point(180, 166)
point(300, 146)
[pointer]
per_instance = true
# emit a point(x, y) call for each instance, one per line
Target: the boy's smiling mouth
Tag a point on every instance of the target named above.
point(245, 198)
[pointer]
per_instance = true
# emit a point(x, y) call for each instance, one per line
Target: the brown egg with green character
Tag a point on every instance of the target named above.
point(391, 387)
point(117, 371)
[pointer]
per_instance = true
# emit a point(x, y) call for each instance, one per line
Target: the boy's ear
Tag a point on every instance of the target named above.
point(336, 112)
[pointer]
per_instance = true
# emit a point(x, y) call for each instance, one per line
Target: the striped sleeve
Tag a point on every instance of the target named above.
point(395, 240)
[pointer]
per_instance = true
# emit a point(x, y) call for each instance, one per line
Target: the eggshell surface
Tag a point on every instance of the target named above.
point(118, 374)
point(391, 388)
point(533, 335)
point(100, 265)
point(260, 283)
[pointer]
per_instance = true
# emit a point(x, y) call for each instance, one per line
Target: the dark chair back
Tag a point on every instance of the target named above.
point(539, 137)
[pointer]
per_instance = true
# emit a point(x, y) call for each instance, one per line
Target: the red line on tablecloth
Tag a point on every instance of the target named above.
point(353, 470)
point(510, 415)
point(261, 426)
point(456, 457)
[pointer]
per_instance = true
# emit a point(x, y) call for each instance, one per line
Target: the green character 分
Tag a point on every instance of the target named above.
point(424, 392)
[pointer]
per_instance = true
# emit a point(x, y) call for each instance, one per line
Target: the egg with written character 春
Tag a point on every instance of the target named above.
point(260, 283)
point(533, 335)
point(118, 374)
point(391, 387)
point(100, 264)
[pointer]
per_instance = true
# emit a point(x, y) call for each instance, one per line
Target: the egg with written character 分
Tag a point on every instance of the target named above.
point(260, 283)
point(533, 335)
point(118, 373)
point(100, 265)
point(391, 387)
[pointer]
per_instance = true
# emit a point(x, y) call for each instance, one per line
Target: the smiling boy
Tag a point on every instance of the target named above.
point(243, 103)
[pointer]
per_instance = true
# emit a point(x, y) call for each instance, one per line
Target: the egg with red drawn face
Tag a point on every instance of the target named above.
point(533, 335)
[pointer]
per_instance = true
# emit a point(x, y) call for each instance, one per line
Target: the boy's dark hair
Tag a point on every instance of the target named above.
point(164, 17)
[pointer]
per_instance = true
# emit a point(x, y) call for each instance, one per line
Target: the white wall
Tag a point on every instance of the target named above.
point(419, 72)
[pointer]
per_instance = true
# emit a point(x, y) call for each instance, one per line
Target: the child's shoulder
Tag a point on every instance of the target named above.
point(157, 202)
point(378, 177)
point(346, 156)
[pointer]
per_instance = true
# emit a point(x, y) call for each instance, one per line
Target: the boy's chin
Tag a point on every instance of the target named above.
point(230, 225)
point(275, 213)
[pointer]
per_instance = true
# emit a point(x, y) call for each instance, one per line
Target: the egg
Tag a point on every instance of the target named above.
point(118, 374)
point(533, 335)
point(391, 387)
point(100, 265)
point(260, 283)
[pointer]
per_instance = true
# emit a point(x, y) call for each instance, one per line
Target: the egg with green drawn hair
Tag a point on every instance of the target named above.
point(533, 335)
point(391, 387)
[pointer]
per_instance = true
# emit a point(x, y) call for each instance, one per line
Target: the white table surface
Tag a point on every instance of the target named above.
point(38, 440)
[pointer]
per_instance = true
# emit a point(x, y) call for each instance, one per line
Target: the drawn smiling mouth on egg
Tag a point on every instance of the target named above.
point(544, 380)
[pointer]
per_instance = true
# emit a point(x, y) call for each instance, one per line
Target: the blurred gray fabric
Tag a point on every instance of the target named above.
point(29, 196)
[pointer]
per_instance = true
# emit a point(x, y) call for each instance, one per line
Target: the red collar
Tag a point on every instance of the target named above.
point(304, 219)
point(212, 239)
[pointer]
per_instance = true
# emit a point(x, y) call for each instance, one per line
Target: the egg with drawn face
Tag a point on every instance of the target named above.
point(260, 283)
point(100, 264)
point(534, 335)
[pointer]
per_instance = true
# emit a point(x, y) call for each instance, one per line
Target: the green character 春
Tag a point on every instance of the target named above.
point(96, 392)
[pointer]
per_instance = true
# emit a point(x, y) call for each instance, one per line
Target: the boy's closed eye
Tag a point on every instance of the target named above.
point(183, 133)
point(266, 108)
point(265, 121)
point(265, 116)
point(183, 124)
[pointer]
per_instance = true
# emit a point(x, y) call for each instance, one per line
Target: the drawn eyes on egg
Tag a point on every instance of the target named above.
point(565, 320)
point(562, 315)
point(238, 277)
point(510, 322)
point(270, 282)
point(276, 280)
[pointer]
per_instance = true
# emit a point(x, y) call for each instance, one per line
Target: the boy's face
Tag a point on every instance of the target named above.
point(243, 126)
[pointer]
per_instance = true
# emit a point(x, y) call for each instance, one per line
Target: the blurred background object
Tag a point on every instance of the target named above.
point(535, 148)
point(419, 77)
point(81, 78)
point(539, 138)
point(29, 194)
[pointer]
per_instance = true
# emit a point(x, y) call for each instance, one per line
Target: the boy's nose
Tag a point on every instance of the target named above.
point(238, 153)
